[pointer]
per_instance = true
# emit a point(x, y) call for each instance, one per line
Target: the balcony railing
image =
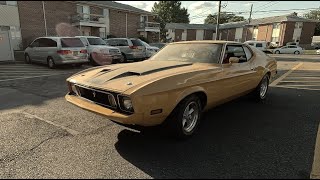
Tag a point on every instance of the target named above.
point(149, 25)
point(90, 18)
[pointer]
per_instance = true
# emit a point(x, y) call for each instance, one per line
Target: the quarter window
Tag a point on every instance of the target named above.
point(234, 51)
point(248, 52)
point(259, 45)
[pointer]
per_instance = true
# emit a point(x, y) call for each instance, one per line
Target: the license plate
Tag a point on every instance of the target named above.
point(75, 53)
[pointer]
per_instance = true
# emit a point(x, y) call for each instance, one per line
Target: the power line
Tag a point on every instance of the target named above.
point(271, 5)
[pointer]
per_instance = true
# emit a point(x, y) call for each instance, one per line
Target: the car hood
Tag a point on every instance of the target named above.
point(121, 77)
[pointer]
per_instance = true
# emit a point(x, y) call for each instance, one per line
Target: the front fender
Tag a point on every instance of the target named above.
point(183, 94)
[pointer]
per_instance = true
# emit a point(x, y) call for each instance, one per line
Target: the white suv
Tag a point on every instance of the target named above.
point(99, 52)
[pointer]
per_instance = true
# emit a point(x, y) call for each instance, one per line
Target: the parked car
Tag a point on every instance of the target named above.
point(262, 45)
point(131, 48)
point(315, 45)
point(150, 50)
point(99, 52)
point(290, 49)
point(174, 86)
point(56, 51)
point(159, 45)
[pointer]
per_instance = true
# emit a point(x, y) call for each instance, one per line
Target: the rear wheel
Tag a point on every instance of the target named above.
point(27, 59)
point(123, 59)
point(51, 63)
point(261, 90)
point(277, 52)
point(296, 52)
point(185, 118)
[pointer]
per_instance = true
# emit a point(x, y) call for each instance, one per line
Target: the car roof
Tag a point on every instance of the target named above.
point(206, 42)
point(89, 36)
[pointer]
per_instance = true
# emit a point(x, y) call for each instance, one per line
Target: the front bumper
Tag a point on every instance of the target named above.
point(133, 119)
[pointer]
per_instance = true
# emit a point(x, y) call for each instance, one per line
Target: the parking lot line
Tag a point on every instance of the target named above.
point(275, 82)
point(34, 77)
point(315, 172)
point(71, 131)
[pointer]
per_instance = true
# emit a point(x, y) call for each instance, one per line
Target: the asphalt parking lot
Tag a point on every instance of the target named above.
point(43, 136)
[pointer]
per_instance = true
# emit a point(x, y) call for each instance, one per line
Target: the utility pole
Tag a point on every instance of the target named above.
point(44, 18)
point(249, 22)
point(218, 19)
point(250, 13)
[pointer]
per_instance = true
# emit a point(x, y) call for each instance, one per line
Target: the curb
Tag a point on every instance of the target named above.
point(315, 172)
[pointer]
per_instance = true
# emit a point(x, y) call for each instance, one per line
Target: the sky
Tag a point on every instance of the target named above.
point(199, 10)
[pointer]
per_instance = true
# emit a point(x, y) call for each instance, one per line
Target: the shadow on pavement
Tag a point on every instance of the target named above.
point(241, 139)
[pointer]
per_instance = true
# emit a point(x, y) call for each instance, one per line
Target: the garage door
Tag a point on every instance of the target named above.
point(5, 47)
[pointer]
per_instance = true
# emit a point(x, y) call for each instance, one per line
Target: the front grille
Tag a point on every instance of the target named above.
point(97, 96)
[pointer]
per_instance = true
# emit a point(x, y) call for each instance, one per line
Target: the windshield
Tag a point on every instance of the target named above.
point(145, 44)
point(96, 41)
point(201, 53)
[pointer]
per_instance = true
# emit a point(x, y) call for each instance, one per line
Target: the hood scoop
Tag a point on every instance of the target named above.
point(126, 74)
point(164, 68)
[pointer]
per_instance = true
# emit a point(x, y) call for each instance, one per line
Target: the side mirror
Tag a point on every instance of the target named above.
point(233, 60)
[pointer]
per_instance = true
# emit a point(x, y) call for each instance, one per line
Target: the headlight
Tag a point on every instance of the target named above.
point(125, 103)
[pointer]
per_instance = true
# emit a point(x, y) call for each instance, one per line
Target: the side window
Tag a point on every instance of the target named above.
point(123, 42)
point(248, 53)
point(35, 43)
point(234, 51)
point(251, 44)
point(51, 43)
point(259, 45)
point(43, 42)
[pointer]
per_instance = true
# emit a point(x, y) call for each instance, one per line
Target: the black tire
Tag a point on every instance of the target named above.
point(260, 94)
point(296, 52)
point(27, 59)
point(50, 63)
point(176, 121)
point(91, 60)
point(277, 52)
point(123, 58)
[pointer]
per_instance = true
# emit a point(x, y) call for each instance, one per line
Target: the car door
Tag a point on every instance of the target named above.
point(240, 76)
point(43, 49)
point(34, 50)
point(284, 50)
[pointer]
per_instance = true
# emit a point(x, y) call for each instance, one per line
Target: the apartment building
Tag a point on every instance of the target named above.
point(277, 30)
point(95, 18)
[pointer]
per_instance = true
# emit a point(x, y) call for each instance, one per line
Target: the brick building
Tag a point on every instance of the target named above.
point(95, 18)
point(277, 30)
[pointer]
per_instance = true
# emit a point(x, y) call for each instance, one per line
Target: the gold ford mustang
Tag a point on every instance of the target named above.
point(174, 86)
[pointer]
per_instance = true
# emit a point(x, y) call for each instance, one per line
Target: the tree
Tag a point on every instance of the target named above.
point(224, 18)
point(169, 12)
point(314, 14)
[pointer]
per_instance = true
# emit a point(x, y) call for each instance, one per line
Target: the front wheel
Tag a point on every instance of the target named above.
point(123, 59)
point(51, 63)
point(27, 59)
point(185, 118)
point(262, 89)
point(277, 52)
point(296, 52)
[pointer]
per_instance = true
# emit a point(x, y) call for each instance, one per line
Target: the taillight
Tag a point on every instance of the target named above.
point(133, 47)
point(63, 52)
point(84, 51)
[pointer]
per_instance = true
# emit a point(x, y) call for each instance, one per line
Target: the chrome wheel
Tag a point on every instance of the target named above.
point(190, 116)
point(264, 88)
